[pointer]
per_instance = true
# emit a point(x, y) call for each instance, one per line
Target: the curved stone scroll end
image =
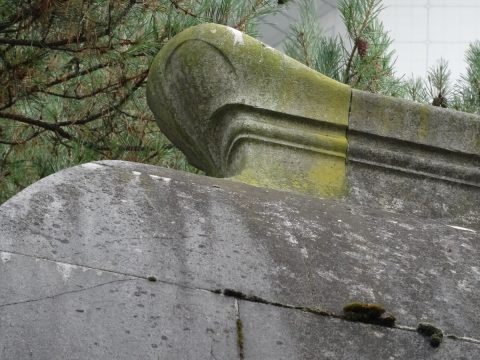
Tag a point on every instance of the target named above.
point(238, 108)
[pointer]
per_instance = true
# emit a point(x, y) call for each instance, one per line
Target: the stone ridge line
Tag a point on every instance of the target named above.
point(237, 295)
point(240, 334)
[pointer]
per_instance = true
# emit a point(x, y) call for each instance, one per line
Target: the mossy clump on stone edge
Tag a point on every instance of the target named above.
point(368, 313)
point(430, 331)
point(240, 338)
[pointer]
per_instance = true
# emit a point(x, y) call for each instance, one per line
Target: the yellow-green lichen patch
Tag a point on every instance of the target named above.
point(208, 68)
point(423, 122)
point(291, 169)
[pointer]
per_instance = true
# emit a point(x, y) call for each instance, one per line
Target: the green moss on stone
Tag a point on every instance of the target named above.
point(436, 339)
point(433, 333)
point(215, 68)
point(368, 313)
point(240, 338)
point(317, 311)
point(371, 310)
point(424, 117)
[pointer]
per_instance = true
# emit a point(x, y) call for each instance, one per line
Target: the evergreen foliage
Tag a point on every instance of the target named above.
point(438, 83)
point(72, 78)
point(364, 60)
point(467, 90)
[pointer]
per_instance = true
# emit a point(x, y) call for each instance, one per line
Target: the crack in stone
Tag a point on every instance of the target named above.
point(212, 354)
point(131, 275)
point(253, 298)
point(463, 338)
point(238, 295)
point(64, 293)
point(240, 335)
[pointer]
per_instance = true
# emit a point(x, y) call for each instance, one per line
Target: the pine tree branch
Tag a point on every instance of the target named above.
point(140, 81)
point(241, 24)
point(303, 45)
point(24, 141)
point(177, 6)
point(55, 127)
point(58, 44)
point(21, 15)
point(52, 45)
point(69, 76)
point(356, 34)
point(92, 93)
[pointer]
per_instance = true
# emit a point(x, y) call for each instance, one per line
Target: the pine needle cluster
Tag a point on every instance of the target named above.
point(362, 59)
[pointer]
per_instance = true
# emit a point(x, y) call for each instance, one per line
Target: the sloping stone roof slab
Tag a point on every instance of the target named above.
point(117, 260)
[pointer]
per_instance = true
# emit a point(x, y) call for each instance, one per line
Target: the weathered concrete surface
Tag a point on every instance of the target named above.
point(51, 310)
point(198, 234)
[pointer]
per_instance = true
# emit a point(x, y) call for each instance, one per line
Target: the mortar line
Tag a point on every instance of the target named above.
point(240, 336)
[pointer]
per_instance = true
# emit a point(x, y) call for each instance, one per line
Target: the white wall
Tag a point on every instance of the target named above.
point(423, 30)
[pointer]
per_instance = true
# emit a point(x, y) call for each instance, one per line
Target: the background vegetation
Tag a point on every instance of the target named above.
point(73, 73)
point(364, 58)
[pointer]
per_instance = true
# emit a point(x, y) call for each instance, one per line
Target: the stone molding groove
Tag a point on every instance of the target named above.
point(240, 109)
point(414, 158)
point(414, 138)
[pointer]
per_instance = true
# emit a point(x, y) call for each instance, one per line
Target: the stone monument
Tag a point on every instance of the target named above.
point(334, 224)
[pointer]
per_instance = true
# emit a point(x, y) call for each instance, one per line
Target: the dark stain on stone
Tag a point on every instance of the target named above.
point(139, 291)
